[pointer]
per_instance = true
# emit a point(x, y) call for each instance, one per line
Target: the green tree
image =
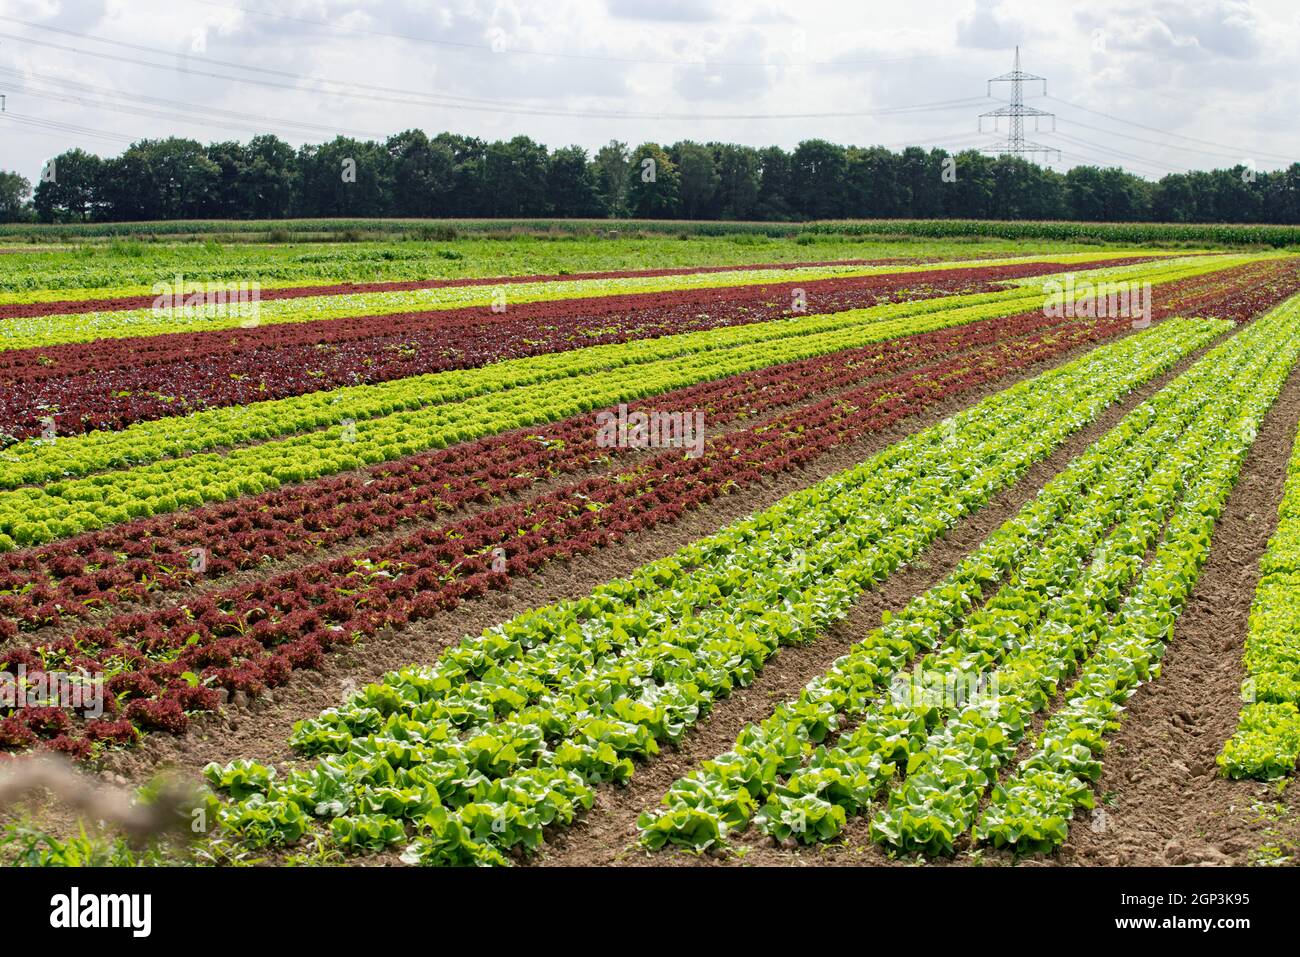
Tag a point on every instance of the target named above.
point(738, 180)
point(572, 188)
point(1282, 195)
point(268, 187)
point(164, 179)
point(227, 199)
point(776, 198)
point(871, 184)
point(467, 193)
point(1024, 190)
point(1235, 197)
point(514, 178)
point(921, 183)
point(971, 196)
point(818, 171)
point(451, 175)
point(184, 179)
point(1085, 193)
point(345, 177)
point(69, 189)
point(14, 193)
point(612, 163)
point(423, 175)
point(1173, 200)
point(1093, 194)
point(654, 185)
point(698, 178)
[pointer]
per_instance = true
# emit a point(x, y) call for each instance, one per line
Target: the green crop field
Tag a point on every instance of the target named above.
point(485, 533)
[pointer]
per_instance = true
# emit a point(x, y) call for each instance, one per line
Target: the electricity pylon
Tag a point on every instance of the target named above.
point(1015, 112)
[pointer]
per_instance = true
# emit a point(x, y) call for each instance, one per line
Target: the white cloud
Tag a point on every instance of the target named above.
point(1219, 70)
point(986, 27)
point(674, 11)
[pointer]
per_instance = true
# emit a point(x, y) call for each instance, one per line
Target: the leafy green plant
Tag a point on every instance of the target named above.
point(511, 731)
point(240, 777)
point(366, 832)
point(260, 822)
point(1266, 744)
point(1037, 597)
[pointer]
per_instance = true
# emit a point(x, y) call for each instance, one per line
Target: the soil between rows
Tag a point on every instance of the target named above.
point(260, 731)
point(607, 833)
point(1164, 803)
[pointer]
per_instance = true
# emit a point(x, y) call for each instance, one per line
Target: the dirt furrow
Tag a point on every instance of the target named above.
point(260, 732)
point(607, 833)
point(1162, 799)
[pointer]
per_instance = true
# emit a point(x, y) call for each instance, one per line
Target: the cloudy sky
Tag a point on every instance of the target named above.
point(1153, 87)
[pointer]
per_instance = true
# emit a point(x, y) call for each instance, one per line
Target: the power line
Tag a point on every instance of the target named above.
point(1091, 144)
point(50, 134)
point(265, 71)
point(464, 46)
point(225, 119)
point(1153, 129)
point(425, 99)
point(1075, 160)
point(1152, 168)
point(1139, 139)
point(943, 141)
point(946, 139)
point(241, 120)
point(96, 93)
point(58, 126)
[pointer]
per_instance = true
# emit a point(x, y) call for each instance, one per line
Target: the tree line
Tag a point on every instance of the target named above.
point(454, 176)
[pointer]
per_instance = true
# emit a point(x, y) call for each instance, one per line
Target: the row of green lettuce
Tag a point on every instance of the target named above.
point(32, 332)
point(120, 269)
point(1266, 744)
point(1068, 581)
point(471, 759)
point(113, 272)
point(364, 425)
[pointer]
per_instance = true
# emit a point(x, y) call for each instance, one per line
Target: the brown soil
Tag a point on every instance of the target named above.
point(1164, 804)
point(260, 731)
point(607, 834)
point(1163, 800)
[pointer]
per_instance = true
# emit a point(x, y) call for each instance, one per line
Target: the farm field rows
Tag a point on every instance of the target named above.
point(757, 555)
point(143, 317)
point(106, 384)
point(131, 267)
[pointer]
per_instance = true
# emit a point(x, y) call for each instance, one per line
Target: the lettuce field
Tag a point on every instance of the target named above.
point(658, 551)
